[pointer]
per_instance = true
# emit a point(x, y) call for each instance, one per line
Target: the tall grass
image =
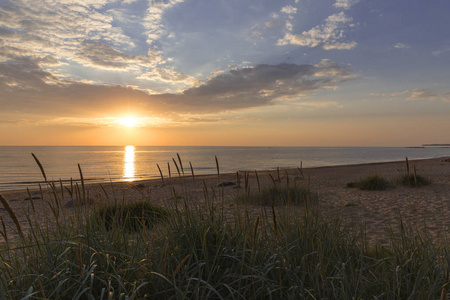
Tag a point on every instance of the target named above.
point(370, 183)
point(273, 253)
point(276, 194)
point(414, 179)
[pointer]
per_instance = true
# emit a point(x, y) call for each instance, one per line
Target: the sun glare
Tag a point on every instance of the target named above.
point(128, 167)
point(128, 121)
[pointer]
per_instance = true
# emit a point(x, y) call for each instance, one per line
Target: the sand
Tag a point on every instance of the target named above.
point(425, 207)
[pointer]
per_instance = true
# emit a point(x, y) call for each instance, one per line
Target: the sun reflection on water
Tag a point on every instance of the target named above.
point(128, 167)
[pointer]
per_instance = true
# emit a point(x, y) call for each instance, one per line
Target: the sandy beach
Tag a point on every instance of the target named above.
point(424, 207)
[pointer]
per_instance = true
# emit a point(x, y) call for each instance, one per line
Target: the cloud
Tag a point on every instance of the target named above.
point(421, 94)
point(446, 97)
point(63, 22)
point(89, 40)
point(275, 23)
point(323, 104)
point(289, 26)
point(345, 4)
point(327, 36)
point(96, 122)
point(328, 68)
point(153, 19)
point(289, 9)
point(243, 88)
point(100, 54)
point(23, 73)
point(401, 46)
point(439, 52)
point(168, 75)
point(40, 28)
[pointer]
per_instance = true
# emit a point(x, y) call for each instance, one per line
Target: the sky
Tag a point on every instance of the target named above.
point(225, 72)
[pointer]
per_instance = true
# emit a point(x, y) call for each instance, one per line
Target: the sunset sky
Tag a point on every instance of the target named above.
point(225, 72)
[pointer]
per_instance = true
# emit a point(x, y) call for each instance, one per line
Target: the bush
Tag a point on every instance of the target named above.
point(130, 216)
point(371, 183)
point(416, 181)
point(280, 195)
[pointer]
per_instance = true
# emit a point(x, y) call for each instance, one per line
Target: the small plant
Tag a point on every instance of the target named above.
point(280, 195)
point(371, 183)
point(414, 180)
point(130, 216)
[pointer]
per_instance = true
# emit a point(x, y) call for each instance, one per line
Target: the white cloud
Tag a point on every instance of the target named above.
point(274, 15)
point(327, 36)
point(57, 28)
point(337, 18)
point(289, 26)
point(153, 19)
point(82, 40)
point(345, 4)
point(289, 9)
point(402, 46)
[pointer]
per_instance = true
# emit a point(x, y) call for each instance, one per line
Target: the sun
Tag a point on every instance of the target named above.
point(128, 121)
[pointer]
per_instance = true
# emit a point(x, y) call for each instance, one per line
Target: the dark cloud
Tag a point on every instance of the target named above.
point(26, 88)
point(22, 74)
point(4, 33)
point(256, 86)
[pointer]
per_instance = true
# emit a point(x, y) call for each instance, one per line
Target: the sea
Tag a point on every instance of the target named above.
point(19, 169)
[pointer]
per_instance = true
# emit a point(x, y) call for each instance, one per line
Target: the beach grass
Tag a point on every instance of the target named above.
point(128, 216)
point(413, 180)
point(186, 251)
point(278, 194)
point(370, 183)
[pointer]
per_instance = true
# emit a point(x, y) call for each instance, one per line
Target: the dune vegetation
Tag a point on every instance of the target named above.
point(266, 250)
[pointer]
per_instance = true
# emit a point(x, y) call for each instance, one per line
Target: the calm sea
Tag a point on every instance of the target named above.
point(18, 168)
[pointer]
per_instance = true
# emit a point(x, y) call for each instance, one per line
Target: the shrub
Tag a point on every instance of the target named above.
point(371, 183)
point(414, 180)
point(130, 216)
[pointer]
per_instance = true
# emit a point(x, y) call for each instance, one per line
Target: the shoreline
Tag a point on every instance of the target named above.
point(373, 209)
point(175, 175)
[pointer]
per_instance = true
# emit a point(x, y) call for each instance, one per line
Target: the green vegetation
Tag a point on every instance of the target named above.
point(413, 180)
point(201, 253)
point(377, 183)
point(278, 194)
point(371, 183)
point(129, 216)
